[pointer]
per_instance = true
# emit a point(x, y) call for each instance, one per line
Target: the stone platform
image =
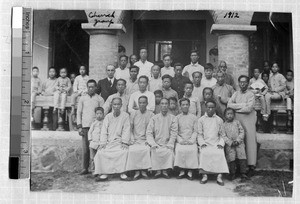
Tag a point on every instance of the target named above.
point(54, 150)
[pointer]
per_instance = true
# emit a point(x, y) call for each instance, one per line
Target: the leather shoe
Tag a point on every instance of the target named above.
point(166, 176)
point(203, 181)
point(180, 176)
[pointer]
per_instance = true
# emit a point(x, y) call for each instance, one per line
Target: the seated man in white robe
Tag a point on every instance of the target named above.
point(112, 154)
point(212, 156)
point(139, 151)
point(186, 150)
point(161, 136)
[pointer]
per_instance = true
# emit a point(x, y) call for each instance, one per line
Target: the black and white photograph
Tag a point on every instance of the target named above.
point(162, 102)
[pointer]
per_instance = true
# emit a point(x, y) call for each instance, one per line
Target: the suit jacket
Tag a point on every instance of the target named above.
point(104, 88)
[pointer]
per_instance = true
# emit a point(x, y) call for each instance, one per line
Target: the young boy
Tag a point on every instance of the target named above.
point(194, 105)
point(158, 96)
point(233, 134)
point(265, 77)
point(63, 85)
point(166, 87)
point(94, 133)
point(178, 81)
point(79, 86)
point(259, 88)
point(36, 87)
point(212, 158)
point(48, 86)
point(208, 94)
point(173, 107)
point(208, 80)
point(289, 92)
point(122, 71)
point(277, 86)
point(167, 69)
point(72, 79)
point(155, 82)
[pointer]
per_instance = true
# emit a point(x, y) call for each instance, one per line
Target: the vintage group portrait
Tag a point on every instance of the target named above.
point(152, 102)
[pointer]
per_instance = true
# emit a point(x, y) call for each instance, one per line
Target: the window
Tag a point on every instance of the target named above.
point(162, 48)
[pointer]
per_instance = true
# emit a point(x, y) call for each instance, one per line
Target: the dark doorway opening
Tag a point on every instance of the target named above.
point(175, 37)
point(70, 45)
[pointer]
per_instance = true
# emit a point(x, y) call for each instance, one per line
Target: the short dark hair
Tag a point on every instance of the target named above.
point(265, 73)
point(100, 109)
point(64, 69)
point(166, 55)
point(82, 65)
point(243, 76)
point(134, 67)
point(145, 77)
point(115, 99)
point(289, 70)
point(121, 48)
point(91, 81)
point(122, 80)
point(209, 66)
point(165, 99)
point(193, 74)
point(194, 51)
point(35, 68)
point(158, 92)
point(256, 68)
point(173, 99)
point(228, 109)
point(166, 76)
point(73, 73)
point(211, 101)
point(184, 99)
point(123, 56)
point(178, 64)
point(189, 82)
point(143, 96)
point(207, 88)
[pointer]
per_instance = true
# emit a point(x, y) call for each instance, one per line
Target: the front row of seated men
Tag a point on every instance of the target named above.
point(145, 142)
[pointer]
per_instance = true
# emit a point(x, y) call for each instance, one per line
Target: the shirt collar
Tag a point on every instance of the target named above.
point(214, 115)
point(196, 64)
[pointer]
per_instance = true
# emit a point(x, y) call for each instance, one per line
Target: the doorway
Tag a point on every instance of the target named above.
point(70, 45)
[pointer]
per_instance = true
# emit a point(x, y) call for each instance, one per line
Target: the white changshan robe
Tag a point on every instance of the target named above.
point(162, 131)
point(211, 159)
point(115, 130)
point(186, 156)
point(139, 150)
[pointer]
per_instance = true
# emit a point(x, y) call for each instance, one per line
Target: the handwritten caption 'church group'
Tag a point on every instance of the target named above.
point(102, 17)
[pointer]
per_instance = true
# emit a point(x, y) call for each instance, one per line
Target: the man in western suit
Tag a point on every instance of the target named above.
point(107, 86)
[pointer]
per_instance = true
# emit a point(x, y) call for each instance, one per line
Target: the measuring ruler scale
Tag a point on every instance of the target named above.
point(19, 160)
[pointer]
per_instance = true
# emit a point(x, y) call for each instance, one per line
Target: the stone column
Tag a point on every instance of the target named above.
point(103, 47)
point(233, 40)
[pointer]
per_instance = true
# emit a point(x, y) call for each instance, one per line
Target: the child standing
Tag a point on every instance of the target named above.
point(155, 82)
point(94, 133)
point(289, 92)
point(194, 106)
point(277, 86)
point(36, 87)
point(63, 85)
point(166, 87)
point(233, 134)
point(259, 88)
point(48, 86)
point(208, 80)
point(158, 96)
point(173, 107)
point(167, 69)
point(79, 86)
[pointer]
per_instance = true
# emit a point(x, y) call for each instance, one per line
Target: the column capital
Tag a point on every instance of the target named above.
point(223, 29)
point(112, 29)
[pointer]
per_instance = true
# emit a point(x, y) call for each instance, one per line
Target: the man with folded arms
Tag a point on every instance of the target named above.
point(186, 151)
point(114, 139)
point(139, 152)
point(161, 136)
